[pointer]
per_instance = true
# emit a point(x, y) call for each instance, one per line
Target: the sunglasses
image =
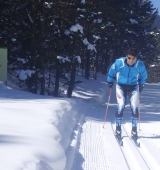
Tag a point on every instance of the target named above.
point(130, 57)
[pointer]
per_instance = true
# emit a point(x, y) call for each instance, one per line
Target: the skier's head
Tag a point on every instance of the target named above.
point(131, 56)
point(132, 52)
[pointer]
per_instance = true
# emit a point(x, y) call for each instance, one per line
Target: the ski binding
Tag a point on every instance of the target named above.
point(119, 140)
point(136, 141)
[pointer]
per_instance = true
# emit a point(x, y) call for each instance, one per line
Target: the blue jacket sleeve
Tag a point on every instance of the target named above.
point(111, 72)
point(143, 74)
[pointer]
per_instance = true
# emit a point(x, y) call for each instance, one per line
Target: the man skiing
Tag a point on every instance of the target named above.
point(130, 74)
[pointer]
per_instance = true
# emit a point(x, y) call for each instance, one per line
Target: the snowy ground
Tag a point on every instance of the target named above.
point(46, 133)
point(98, 148)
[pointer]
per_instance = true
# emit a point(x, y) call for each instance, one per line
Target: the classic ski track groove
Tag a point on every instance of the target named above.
point(133, 156)
point(122, 150)
point(136, 147)
point(93, 143)
point(151, 164)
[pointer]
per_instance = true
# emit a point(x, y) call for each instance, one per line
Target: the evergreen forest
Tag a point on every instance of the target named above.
point(49, 40)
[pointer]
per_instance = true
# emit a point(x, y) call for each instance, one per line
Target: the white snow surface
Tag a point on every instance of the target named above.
point(46, 133)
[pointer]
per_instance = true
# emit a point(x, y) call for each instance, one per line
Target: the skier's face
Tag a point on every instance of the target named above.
point(131, 60)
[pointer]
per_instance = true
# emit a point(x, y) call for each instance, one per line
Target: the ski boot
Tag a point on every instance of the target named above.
point(134, 135)
point(118, 128)
point(134, 128)
point(118, 134)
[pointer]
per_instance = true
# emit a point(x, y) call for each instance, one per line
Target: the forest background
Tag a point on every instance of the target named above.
point(48, 41)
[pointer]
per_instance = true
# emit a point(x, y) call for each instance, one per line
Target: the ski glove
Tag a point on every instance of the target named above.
point(110, 84)
point(141, 88)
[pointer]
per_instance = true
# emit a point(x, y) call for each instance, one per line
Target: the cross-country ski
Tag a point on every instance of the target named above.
point(119, 140)
point(136, 141)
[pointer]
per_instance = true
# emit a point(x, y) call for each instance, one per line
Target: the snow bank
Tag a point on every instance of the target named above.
point(32, 127)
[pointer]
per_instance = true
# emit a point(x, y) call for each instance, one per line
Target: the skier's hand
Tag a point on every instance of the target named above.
point(141, 87)
point(110, 84)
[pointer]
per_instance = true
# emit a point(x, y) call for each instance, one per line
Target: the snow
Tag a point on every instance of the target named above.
point(66, 59)
point(46, 133)
point(48, 5)
point(83, 1)
point(89, 46)
point(63, 59)
point(98, 147)
point(82, 10)
point(28, 133)
point(97, 21)
point(76, 28)
point(133, 21)
point(153, 65)
point(23, 74)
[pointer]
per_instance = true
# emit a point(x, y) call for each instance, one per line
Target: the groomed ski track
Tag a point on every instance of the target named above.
point(98, 148)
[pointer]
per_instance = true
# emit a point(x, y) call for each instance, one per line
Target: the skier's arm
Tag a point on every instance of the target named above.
point(143, 75)
point(112, 73)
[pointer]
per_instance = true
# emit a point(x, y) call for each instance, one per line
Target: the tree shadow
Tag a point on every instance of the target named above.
point(79, 161)
point(44, 166)
point(17, 95)
point(9, 139)
point(150, 137)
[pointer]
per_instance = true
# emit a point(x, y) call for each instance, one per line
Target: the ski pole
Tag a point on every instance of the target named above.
point(139, 115)
point(107, 106)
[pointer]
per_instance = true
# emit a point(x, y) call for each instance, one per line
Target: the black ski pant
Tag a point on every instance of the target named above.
point(122, 91)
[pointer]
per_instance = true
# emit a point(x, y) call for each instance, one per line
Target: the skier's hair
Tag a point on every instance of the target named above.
point(133, 52)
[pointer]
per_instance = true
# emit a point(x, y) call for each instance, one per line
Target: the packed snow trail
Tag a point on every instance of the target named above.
point(96, 142)
point(98, 148)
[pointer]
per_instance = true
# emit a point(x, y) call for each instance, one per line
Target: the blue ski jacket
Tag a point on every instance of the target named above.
point(128, 75)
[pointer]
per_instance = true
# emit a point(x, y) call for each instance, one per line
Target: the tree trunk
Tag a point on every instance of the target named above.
point(95, 68)
point(56, 88)
point(33, 80)
point(87, 69)
point(72, 81)
point(42, 85)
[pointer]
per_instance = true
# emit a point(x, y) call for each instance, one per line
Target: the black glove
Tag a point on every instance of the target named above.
point(141, 87)
point(110, 84)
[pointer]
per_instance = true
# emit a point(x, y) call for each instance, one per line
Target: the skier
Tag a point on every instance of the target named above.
point(130, 74)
